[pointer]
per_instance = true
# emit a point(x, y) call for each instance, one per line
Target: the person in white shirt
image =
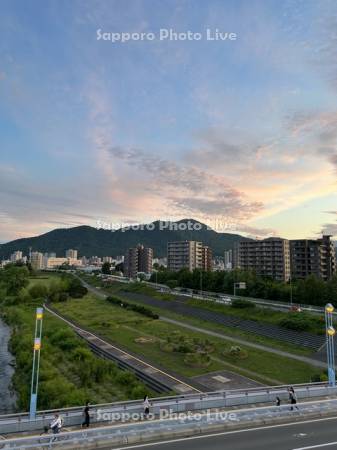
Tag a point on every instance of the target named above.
point(146, 406)
point(56, 424)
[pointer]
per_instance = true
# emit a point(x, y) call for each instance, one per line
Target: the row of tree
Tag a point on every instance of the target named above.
point(312, 290)
point(14, 280)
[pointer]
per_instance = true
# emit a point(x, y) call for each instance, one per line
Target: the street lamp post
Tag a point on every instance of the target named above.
point(291, 291)
point(330, 333)
point(36, 363)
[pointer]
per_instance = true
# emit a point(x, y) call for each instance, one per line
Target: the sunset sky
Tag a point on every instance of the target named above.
point(238, 134)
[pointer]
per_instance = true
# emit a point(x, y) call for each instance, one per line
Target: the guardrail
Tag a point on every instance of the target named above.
point(173, 426)
point(16, 423)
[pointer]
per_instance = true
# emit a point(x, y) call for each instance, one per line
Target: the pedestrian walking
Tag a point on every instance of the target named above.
point(292, 399)
point(146, 406)
point(86, 415)
point(278, 401)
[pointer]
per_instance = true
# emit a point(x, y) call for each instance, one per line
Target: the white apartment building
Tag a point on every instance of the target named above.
point(16, 256)
point(36, 260)
point(71, 253)
point(184, 254)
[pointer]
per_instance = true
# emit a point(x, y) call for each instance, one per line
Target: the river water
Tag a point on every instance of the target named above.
point(7, 398)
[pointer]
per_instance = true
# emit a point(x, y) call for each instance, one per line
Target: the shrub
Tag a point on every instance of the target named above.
point(296, 321)
point(172, 283)
point(197, 360)
point(65, 339)
point(319, 377)
point(133, 307)
point(241, 303)
point(38, 291)
point(236, 352)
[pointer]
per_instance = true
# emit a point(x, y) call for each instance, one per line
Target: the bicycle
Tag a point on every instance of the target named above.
point(48, 437)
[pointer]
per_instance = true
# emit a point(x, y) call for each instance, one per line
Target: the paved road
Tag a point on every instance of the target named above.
point(316, 434)
point(305, 359)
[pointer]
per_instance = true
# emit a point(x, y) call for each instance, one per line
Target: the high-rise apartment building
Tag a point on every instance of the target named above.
point(305, 255)
point(229, 259)
point(71, 253)
point(184, 255)
point(328, 261)
point(268, 257)
point(36, 260)
point(207, 258)
point(138, 259)
point(313, 257)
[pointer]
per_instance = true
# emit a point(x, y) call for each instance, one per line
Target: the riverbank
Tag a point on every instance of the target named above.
point(8, 396)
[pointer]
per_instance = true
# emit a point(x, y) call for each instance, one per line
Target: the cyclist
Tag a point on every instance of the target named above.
point(56, 424)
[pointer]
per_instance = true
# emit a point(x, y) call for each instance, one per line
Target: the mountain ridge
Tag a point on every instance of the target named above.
point(90, 241)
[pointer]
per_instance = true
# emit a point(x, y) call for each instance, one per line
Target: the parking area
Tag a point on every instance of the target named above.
point(225, 379)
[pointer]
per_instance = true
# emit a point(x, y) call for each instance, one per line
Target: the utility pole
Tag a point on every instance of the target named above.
point(36, 363)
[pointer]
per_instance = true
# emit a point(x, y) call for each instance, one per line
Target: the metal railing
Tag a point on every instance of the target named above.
point(174, 425)
point(16, 423)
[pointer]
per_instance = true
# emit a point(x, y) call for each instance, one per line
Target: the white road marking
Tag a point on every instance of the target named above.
point(328, 444)
point(224, 433)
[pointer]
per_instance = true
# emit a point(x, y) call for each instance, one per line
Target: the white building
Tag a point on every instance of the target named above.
point(52, 263)
point(71, 254)
point(108, 259)
point(228, 260)
point(36, 260)
point(16, 256)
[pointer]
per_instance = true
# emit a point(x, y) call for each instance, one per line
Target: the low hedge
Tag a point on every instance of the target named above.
point(132, 307)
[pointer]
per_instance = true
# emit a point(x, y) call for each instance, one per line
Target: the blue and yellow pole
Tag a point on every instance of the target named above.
point(330, 333)
point(36, 363)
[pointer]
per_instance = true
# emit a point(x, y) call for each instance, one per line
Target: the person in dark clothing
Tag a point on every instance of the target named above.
point(278, 401)
point(86, 414)
point(292, 399)
point(146, 406)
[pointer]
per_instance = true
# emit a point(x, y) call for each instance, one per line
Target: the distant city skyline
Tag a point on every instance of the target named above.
point(241, 132)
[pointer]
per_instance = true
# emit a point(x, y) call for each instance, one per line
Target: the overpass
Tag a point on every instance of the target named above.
point(20, 423)
point(244, 428)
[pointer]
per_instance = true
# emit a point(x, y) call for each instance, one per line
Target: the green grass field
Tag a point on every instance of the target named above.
point(124, 327)
point(118, 288)
point(70, 374)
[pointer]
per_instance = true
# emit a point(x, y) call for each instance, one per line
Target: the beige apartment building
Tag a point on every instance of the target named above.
point(207, 258)
point(268, 257)
point(52, 263)
point(188, 255)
